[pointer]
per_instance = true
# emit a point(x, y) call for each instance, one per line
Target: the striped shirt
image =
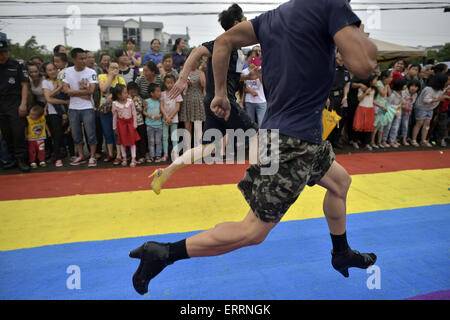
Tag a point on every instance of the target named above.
point(144, 85)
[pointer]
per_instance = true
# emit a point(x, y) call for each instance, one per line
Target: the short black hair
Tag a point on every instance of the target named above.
point(167, 56)
point(154, 41)
point(102, 55)
point(132, 41)
point(152, 87)
point(438, 81)
point(228, 17)
point(369, 79)
point(56, 49)
point(439, 68)
point(170, 76)
point(399, 84)
point(117, 90)
point(431, 61)
point(385, 74)
point(152, 67)
point(132, 86)
point(37, 57)
point(416, 65)
point(414, 82)
point(40, 110)
point(75, 52)
point(120, 52)
point(62, 56)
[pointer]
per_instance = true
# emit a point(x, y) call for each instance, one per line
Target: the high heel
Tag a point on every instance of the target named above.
point(344, 272)
point(349, 258)
point(154, 258)
point(158, 180)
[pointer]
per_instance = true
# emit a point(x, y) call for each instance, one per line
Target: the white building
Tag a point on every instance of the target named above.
point(113, 33)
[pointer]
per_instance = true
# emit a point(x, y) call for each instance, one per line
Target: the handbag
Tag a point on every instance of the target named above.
point(330, 120)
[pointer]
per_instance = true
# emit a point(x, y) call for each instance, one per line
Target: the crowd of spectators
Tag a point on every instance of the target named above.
point(75, 110)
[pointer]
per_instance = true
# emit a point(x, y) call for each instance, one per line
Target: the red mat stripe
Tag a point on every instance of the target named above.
point(93, 181)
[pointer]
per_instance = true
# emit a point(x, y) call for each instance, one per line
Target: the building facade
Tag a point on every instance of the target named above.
point(114, 33)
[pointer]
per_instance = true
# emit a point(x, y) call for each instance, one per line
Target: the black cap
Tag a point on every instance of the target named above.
point(3, 45)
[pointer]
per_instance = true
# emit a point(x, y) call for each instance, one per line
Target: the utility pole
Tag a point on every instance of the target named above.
point(66, 31)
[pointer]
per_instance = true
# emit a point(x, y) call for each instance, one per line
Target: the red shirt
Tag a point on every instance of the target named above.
point(446, 102)
point(396, 75)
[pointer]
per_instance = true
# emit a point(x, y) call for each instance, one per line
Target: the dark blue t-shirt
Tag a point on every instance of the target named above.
point(298, 62)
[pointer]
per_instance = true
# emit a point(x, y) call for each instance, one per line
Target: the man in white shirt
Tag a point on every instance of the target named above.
point(79, 84)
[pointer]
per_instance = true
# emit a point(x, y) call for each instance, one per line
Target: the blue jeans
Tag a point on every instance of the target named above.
point(88, 118)
point(391, 130)
point(107, 126)
point(154, 139)
point(173, 136)
point(256, 111)
point(404, 125)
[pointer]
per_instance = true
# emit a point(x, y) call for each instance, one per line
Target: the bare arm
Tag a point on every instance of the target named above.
point(191, 61)
point(241, 35)
point(49, 98)
point(358, 52)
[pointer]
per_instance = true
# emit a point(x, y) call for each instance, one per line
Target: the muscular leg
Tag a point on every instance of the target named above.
point(337, 182)
point(229, 236)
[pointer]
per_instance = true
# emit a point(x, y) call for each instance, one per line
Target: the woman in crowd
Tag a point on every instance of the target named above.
point(150, 75)
point(192, 109)
point(254, 100)
point(178, 53)
point(135, 57)
point(154, 54)
point(125, 71)
point(56, 108)
point(36, 83)
point(427, 101)
point(106, 83)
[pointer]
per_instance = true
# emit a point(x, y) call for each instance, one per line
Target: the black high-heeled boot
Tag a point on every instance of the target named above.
point(341, 261)
point(154, 258)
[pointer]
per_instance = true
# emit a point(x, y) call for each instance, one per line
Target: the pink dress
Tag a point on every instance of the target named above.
point(124, 120)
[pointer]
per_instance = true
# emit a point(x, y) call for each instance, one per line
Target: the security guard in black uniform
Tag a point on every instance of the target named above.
point(13, 106)
point(337, 99)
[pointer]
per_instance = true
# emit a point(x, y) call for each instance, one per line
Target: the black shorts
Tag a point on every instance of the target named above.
point(239, 119)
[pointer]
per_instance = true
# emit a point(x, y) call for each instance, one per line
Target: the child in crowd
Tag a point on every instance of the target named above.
point(167, 68)
point(409, 95)
point(170, 109)
point(395, 100)
point(139, 104)
point(365, 113)
point(35, 133)
point(443, 118)
point(154, 123)
point(383, 113)
point(429, 98)
point(125, 123)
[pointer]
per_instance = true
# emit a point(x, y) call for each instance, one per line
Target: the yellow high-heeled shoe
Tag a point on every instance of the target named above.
point(158, 180)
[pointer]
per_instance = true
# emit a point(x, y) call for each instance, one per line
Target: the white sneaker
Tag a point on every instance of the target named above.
point(92, 162)
point(33, 165)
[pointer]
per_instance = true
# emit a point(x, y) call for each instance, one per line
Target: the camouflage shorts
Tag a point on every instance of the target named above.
point(301, 163)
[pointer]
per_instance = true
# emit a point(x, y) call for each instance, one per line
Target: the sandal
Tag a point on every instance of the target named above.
point(414, 143)
point(117, 161)
point(355, 145)
point(426, 144)
point(133, 163)
point(124, 163)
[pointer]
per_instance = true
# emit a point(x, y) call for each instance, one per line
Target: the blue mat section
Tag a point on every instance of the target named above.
point(412, 245)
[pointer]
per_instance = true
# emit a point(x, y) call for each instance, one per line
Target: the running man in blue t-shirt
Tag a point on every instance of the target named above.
point(298, 40)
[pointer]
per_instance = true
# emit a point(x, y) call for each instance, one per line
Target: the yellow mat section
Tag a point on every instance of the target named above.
point(38, 222)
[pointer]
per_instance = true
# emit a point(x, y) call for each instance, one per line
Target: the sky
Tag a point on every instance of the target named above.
point(405, 27)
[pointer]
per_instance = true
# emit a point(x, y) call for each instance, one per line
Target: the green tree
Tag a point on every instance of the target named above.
point(441, 55)
point(30, 48)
